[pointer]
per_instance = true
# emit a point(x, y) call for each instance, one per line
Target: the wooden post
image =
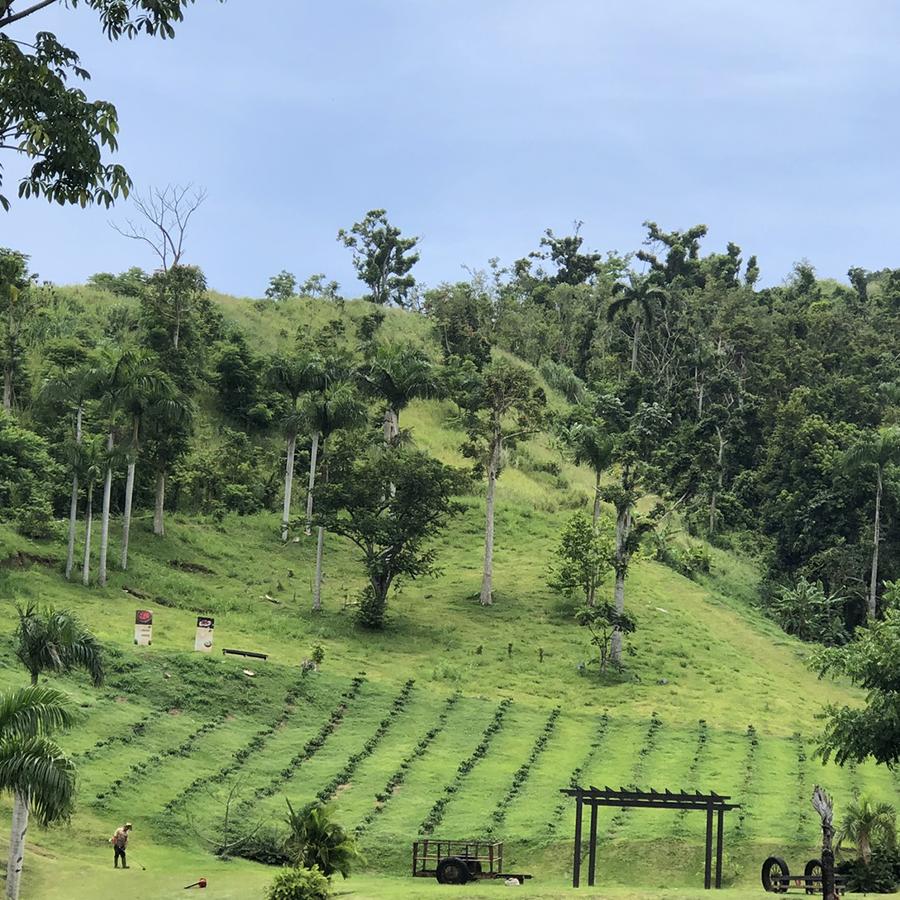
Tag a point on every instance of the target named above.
point(707, 876)
point(576, 862)
point(592, 850)
point(720, 830)
point(825, 808)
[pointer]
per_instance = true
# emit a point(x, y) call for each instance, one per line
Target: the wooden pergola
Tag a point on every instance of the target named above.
point(715, 806)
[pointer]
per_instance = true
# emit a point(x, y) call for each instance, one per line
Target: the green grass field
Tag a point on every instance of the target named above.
point(718, 699)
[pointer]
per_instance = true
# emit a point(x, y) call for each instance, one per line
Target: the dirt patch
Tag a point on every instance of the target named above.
point(190, 567)
point(175, 711)
point(19, 559)
point(121, 699)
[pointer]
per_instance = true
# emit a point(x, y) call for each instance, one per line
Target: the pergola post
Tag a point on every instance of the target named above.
point(720, 836)
point(707, 872)
point(592, 851)
point(576, 862)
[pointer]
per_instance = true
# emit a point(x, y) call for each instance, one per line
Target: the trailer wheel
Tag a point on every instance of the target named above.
point(452, 870)
point(775, 873)
point(813, 870)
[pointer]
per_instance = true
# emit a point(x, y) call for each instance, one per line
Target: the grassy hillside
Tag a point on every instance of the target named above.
point(719, 698)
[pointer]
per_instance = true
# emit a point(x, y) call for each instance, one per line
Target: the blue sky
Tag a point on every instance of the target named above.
point(478, 123)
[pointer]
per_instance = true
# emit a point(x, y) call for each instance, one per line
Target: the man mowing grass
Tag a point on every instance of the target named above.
point(120, 841)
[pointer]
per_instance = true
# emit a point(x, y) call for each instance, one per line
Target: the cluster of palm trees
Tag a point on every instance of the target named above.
point(33, 767)
point(124, 394)
point(325, 392)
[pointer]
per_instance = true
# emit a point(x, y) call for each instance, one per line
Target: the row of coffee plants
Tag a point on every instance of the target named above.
point(522, 773)
point(804, 791)
point(310, 748)
point(343, 777)
point(242, 754)
point(578, 773)
point(436, 814)
point(746, 797)
point(692, 772)
point(637, 773)
point(126, 737)
point(150, 764)
point(399, 775)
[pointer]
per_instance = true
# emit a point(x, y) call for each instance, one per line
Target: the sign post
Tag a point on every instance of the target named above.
point(203, 640)
point(143, 627)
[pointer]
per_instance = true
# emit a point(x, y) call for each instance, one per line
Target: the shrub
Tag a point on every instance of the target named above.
point(807, 612)
point(299, 884)
point(264, 846)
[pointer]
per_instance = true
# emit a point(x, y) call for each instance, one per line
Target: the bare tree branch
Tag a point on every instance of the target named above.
point(167, 213)
point(7, 17)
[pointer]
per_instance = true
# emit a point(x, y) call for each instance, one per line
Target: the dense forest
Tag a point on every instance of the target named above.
point(765, 419)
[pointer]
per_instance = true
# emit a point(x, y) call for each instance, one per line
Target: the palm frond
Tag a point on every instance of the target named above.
point(36, 768)
point(33, 711)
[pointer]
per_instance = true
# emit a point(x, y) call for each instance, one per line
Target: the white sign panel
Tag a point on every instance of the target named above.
point(203, 640)
point(143, 627)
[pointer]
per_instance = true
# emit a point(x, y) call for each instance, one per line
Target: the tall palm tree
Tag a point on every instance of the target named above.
point(880, 449)
point(89, 464)
point(867, 824)
point(591, 445)
point(335, 369)
point(398, 373)
point(72, 388)
point(337, 407)
point(293, 376)
point(40, 777)
point(143, 389)
point(53, 640)
point(165, 428)
point(641, 295)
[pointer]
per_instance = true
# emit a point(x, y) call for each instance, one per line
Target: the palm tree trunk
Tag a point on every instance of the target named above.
point(873, 582)
point(73, 506)
point(623, 526)
point(317, 586)
point(159, 505)
point(88, 522)
point(104, 520)
point(313, 456)
point(288, 482)
point(129, 495)
point(596, 499)
point(487, 580)
point(634, 344)
point(16, 845)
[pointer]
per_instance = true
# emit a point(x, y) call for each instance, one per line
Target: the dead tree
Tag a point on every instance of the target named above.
point(165, 215)
point(825, 808)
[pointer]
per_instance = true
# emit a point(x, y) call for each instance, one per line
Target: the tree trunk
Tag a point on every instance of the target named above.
point(16, 845)
point(487, 581)
point(391, 430)
point(73, 506)
point(313, 455)
point(288, 482)
point(8, 388)
point(88, 522)
point(873, 583)
point(104, 518)
point(159, 506)
point(623, 526)
point(596, 499)
point(720, 481)
point(634, 344)
point(129, 495)
point(317, 586)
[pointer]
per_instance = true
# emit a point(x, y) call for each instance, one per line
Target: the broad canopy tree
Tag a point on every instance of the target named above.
point(382, 258)
point(394, 530)
point(53, 123)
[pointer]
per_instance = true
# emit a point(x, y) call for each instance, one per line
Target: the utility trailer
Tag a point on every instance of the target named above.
point(457, 862)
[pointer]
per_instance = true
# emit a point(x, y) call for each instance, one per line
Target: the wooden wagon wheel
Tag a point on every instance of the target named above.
point(775, 875)
point(813, 870)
